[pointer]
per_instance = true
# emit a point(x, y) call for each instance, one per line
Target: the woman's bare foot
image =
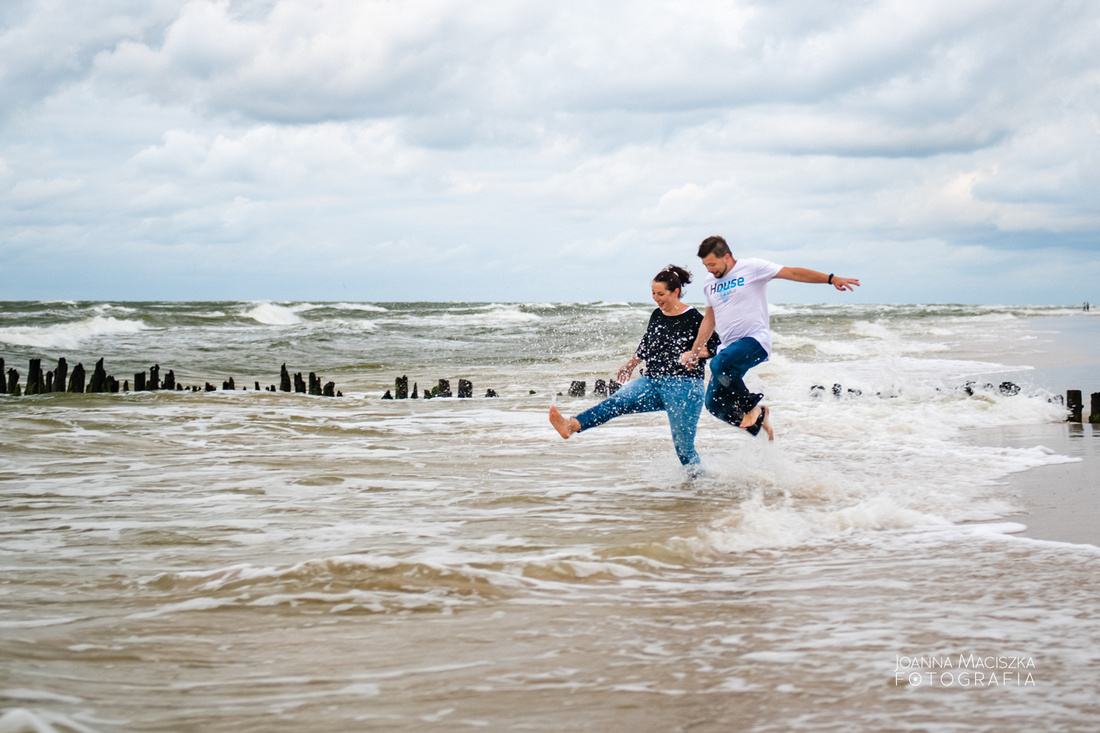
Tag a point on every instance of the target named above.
point(564, 426)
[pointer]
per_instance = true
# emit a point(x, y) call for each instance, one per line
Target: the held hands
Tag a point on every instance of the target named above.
point(689, 359)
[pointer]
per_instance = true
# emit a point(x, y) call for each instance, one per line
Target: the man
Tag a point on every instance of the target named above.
point(736, 297)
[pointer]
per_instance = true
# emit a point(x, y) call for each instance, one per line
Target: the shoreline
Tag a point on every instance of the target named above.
point(1062, 501)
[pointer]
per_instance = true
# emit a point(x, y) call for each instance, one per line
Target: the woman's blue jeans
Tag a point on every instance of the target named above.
point(728, 398)
point(680, 397)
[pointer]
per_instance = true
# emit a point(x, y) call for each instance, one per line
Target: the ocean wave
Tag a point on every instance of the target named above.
point(487, 317)
point(69, 335)
point(365, 307)
point(104, 307)
point(270, 314)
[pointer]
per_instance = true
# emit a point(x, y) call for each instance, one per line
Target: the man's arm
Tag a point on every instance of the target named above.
point(706, 328)
point(802, 275)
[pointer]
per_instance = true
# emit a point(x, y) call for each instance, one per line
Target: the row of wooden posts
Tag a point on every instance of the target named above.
point(61, 380)
point(441, 389)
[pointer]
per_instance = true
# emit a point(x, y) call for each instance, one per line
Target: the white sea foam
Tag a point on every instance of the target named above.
point(69, 335)
point(486, 316)
point(365, 307)
point(21, 720)
point(271, 314)
point(104, 307)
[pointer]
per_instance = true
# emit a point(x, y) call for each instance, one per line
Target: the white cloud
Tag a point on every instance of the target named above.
point(550, 143)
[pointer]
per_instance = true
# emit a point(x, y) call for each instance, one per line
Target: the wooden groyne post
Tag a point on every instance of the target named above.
point(1075, 406)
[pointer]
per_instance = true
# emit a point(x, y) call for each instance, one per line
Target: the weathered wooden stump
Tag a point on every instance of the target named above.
point(1094, 416)
point(1073, 403)
point(387, 396)
point(112, 384)
point(228, 385)
point(35, 381)
point(491, 392)
point(154, 378)
point(76, 379)
point(314, 384)
point(60, 375)
point(443, 389)
point(284, 379)
point(169, 380)
point(299, 383)
point(139, 381)
point(414, 394)
point(577, 389)
point(3, 378)
point(465, 388)
point(210, 388)
point(600, 390)
point(1009, 389)
point(49, 382)
point(401, 388)
point(612, 387)
point(13, 383)
point(98, 383)
point(329, 390)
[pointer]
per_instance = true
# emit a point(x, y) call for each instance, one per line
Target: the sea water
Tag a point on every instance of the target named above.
point(255, 561)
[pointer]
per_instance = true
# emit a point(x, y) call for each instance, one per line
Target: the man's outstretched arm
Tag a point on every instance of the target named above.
point(802, 275)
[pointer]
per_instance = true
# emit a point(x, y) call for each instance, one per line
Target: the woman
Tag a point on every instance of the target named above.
point(666, 384)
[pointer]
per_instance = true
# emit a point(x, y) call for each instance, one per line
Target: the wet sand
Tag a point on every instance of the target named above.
point(1062, 501)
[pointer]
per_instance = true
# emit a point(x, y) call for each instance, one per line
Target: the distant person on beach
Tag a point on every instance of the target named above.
point(736, 297)
point(666, 384)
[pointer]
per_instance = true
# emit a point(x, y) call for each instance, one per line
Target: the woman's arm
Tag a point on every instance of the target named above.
point(626, 369)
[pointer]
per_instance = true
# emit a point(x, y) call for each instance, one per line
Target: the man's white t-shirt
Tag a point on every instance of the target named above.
point(740, 301)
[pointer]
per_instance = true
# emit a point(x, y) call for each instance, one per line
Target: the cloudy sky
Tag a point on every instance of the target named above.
point(941, 151)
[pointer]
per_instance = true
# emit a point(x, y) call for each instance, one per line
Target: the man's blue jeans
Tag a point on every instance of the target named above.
point(728, 398)
point(680, 397)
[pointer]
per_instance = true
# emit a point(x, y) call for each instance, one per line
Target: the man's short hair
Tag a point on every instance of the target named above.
point(714, 246)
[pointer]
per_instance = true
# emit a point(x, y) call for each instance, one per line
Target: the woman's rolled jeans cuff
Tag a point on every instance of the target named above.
point(680, 397)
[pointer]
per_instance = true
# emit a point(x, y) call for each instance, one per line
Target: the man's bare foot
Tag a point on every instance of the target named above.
point(767, 424)
point(564, 426)
point(754, 414)
point(751, 417)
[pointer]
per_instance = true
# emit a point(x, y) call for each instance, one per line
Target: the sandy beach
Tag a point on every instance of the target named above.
point(1062, 502)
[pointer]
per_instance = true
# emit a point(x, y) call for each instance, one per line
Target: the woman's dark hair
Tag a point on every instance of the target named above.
point(673, 278)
